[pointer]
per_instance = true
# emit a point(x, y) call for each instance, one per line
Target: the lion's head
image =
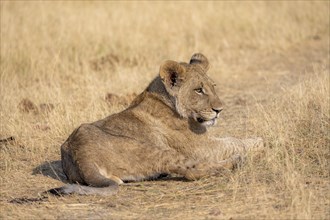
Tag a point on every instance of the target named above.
point(193, 90)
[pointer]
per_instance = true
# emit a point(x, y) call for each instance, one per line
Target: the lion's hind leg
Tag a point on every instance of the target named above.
point(104, 186)
point(96, 182)
point(84, 190)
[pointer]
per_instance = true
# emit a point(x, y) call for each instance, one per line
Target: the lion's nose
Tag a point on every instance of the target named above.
point(217, 110)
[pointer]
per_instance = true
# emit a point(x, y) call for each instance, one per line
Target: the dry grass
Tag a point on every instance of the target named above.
point(271, 61)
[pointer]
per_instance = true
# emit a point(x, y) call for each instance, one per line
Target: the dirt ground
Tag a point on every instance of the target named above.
point(261, 90)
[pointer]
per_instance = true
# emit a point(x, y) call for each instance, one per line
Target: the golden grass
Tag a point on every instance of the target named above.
point(296, 126)
point(271, 62)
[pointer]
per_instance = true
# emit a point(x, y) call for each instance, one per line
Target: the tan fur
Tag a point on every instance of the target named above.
point(163, 131)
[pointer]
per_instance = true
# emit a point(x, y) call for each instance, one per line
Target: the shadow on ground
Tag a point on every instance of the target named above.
point(51, 169)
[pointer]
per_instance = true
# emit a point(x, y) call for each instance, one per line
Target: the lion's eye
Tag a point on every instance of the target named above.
point(199, 91)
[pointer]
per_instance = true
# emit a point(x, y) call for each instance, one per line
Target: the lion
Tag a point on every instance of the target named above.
point(163, 131)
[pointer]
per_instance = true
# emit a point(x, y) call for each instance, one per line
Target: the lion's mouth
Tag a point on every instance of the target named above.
point(205, 122)
point(201, 120)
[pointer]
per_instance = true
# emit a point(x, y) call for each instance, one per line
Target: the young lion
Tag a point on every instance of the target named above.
point(163, 131)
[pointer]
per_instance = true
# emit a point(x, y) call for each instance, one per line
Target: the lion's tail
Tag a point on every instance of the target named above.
point(84, 190)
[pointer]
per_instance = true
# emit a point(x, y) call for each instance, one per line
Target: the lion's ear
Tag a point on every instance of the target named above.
point(200, 60)
point(172, 74)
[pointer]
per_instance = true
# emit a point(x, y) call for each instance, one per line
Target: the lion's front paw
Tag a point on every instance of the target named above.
point(193, 170)
point(254, 144)
point(198, 171)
